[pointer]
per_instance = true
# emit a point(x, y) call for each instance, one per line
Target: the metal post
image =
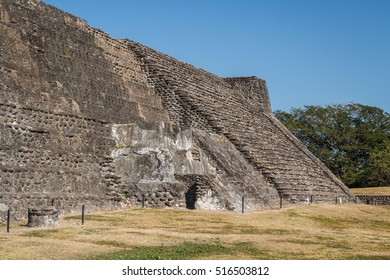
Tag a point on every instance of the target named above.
point(243, 204)
point(82, 214)
point(8, 219)
point(143, 200)
point(311, 199)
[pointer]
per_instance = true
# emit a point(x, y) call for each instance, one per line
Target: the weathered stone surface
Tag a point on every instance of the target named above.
point(239, 109)
point(375, 199)
point(3, 213)
point(42, 217)
point(151, 161)
point(88, 119)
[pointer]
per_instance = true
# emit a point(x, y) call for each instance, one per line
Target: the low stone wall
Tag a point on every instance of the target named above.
point(42, 217)
point(375, 199)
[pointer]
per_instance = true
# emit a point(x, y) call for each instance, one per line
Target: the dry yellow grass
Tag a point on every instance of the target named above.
point(305, 232)
point(371, 191)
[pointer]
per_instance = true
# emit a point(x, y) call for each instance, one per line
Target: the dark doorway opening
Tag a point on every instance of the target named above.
point(191, 197)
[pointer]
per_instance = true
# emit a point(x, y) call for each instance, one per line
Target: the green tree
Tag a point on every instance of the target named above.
point(352, 140)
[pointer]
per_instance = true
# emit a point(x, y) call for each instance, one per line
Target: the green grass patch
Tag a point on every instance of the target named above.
point(249, 249)
point(185, 251)
point(177, 252)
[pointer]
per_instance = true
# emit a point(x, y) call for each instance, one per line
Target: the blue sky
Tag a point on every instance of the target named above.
point(310, 52)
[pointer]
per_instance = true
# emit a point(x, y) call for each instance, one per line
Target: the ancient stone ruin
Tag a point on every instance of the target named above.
point(42, 217)
point(88, 119)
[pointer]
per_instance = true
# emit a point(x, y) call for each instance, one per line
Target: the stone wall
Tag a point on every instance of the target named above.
point(239, 109)
point(254, 91)
point(163, 163)
point(375, 199)
point(65, 65)
point(62, 86)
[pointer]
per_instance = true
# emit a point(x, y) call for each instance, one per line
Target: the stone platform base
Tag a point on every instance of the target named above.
point(42, 217)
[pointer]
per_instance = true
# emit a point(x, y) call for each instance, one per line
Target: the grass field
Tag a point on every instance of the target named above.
point(304, 232)
point(371, 191)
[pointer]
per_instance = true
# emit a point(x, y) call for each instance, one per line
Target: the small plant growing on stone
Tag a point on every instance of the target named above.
point(60, 175)
point(122, 146)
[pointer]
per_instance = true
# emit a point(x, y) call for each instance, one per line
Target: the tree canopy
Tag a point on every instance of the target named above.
point(353, 140)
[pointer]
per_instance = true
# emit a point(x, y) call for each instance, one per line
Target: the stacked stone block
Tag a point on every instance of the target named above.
point(42, 217)
point(375, 199)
